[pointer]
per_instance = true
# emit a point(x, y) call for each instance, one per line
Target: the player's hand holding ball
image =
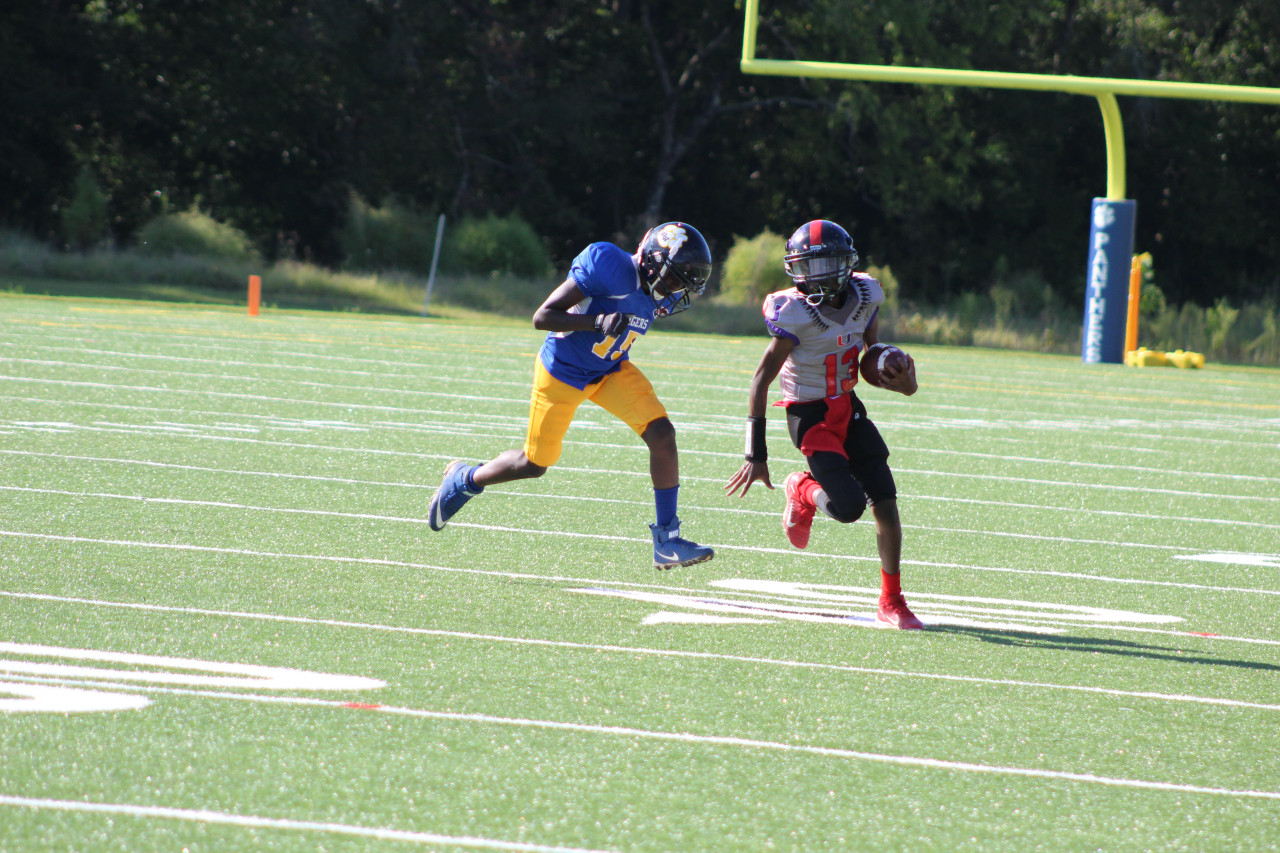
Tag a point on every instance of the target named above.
point(612, 324)
point(886, 366)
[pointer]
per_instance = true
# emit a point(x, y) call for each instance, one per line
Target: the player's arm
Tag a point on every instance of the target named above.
point(554, 315)
point(756, 466)
point(902, 381)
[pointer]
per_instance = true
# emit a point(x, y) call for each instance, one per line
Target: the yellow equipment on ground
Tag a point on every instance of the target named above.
point(1143, 357)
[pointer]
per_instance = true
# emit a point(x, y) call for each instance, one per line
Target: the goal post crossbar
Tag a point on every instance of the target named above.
point(1104, 89)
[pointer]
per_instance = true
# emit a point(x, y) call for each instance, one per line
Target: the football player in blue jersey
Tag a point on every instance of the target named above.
point(607, 302)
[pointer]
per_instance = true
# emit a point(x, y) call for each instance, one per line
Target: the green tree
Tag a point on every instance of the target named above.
point(753, 268)
point(84, 216)
point(48, 104)
point(596, 118)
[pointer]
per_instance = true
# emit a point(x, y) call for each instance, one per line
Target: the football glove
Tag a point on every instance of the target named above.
point(612, 325)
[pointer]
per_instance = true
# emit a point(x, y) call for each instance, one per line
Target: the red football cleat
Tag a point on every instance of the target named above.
point(797, 518)
point(894, 613)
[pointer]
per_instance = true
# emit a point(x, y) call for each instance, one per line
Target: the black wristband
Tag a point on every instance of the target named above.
point(757, 448)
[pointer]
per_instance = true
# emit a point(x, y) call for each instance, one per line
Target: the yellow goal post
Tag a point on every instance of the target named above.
point(1104, 89)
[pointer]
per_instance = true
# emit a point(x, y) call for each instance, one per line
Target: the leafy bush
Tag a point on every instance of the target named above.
point(84, 218)
point(1176, 328)
point(1015, 293)
point(889, 284)
point(1218, 322)
point(1262, 321)
point(753, 269)
point(127, 267)
point(970, 311)
point(1151, 302)
point(195, 234)
point(21, 255)
point(495, 245)
point(1002, 302)
point(391, 237)
point(1249, 334)
point(927, 327)
point(495, 293)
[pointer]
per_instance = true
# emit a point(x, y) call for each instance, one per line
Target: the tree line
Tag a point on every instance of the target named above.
point(592, 119)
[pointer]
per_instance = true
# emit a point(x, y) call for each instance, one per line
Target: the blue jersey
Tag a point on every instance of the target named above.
point(610, 284)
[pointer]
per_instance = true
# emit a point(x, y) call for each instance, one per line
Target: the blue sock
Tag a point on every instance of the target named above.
point(470, 482)
point(665, 500)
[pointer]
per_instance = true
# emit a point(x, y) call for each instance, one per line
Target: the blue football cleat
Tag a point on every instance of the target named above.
point(669, 550)
point(452, 494)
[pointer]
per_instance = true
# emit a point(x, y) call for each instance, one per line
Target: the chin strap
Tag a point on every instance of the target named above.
point(816, 299)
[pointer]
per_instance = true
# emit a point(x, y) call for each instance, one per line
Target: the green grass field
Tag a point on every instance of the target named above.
point(227, 625)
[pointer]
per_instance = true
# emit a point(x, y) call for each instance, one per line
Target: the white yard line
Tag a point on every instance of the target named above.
point(516, 424)
point(1174, 422)
point(1003, 478)
point(571, 497)
point(643, 650)
point(247, 552)
point(1065, 391)
point(1071, 463)
point(206, 816)
point(419, 520)
point(748, 744)
point(792, 552)
point(292, 401)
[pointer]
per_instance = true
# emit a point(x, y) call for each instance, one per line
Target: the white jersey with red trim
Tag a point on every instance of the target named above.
point(828, 341)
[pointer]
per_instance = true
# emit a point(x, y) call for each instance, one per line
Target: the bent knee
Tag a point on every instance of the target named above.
point(847, 515)
point(525, 468)
point(844, 511)
point(659, 431)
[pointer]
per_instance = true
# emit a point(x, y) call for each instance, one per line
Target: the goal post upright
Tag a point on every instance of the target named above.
point(1113, 217)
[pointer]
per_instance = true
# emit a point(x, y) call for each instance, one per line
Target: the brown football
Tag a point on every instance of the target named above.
point(876, 358)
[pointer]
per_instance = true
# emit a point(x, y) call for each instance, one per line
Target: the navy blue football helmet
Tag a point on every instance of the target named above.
point(820, 256)
point(675, 264)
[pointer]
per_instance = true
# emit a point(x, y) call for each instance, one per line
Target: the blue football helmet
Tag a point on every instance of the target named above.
point(675, 264)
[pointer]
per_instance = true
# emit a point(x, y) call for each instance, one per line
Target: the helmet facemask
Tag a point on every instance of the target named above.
point(675, 264)
point(675, 285)
point(820, 276)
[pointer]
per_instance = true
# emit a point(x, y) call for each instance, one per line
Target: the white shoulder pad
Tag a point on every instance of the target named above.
point(786, 312)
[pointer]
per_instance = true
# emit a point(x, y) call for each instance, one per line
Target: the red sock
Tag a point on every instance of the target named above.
point(890, 584)
point(809, 489)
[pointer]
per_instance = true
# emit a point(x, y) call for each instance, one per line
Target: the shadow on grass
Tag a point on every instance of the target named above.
point(1097, 645)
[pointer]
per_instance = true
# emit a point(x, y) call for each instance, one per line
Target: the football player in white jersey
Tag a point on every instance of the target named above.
point(819, 328)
